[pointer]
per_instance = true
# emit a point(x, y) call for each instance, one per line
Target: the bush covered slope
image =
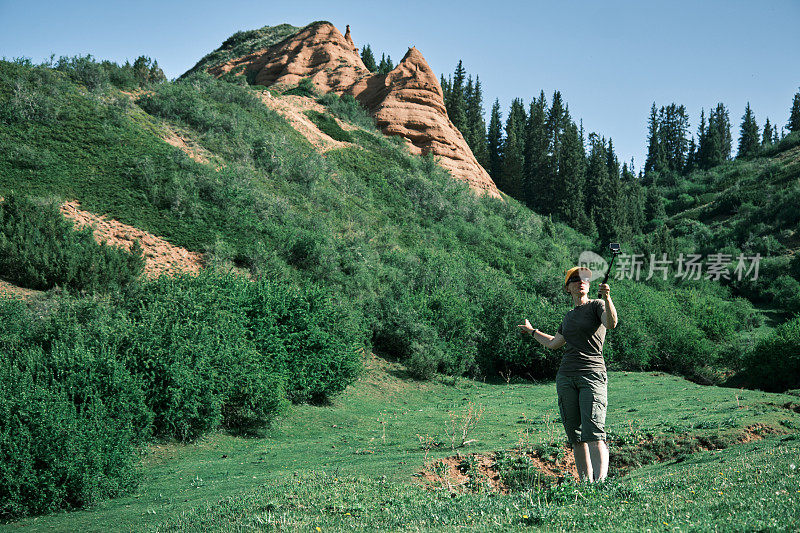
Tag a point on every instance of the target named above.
point(439, 276)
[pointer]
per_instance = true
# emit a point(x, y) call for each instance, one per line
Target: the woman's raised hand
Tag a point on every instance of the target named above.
point(526, 327)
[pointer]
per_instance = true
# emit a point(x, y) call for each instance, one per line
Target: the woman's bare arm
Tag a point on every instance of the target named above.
point(553, 342)
point(609, 316)
point(543, 338)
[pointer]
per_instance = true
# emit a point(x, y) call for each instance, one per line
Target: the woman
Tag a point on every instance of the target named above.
point(581, 382)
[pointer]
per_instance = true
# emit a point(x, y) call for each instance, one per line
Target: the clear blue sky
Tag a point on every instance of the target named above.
point(610, 59)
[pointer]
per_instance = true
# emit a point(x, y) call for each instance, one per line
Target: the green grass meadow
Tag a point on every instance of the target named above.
point(351, 464)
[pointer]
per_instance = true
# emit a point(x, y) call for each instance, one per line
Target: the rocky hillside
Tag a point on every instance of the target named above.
point(407, 102)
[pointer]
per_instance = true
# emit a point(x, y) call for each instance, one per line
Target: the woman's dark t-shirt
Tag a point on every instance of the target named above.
point(585, 333)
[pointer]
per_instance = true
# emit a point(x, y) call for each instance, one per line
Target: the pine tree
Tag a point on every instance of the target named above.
point(651, 161)
point(767, 135)
point(715, 140)
point(368, 58)
point(512, 158)
point(534, 173)
point(748, 134)
point(455, 105)
point(722, 124)
point(385, 66)
point(446, 88)
point(654, 209)
point(494, 139)
point(672, 130)
point(632, 199)
point(513, 151)
point(554, 128)
point(600, 199)
point(691, 157)
point(476, 125)
point(569, 203)
point(794, 115)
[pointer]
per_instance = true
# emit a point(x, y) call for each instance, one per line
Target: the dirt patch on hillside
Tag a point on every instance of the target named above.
point(160, 256)
point(477, 472)
point(185, 144)
point(9, 290)
point(293, 109)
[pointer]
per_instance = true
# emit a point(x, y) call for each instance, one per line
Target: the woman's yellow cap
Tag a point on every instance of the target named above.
point(583, 272)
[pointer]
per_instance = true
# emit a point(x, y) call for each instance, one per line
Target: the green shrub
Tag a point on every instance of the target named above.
point(328, 125)
point(348, 109)
point(71, 418)
point(314, 344)
point(785, 292)
point(305, 87)
point(84, 70)
point(40, 249)
point(774, 363)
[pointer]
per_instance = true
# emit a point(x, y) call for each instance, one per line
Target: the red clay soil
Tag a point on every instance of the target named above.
point(9, 290)
point(182, 142)
point(160, 256)
point(408, 101)
point(293, 109)
point(457, 479)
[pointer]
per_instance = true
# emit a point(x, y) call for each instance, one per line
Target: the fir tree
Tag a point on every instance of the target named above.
point(767, 135)
point(512, 158)
point(368, 58)
point(569, 203)
point(794, 115)
point(476, 125)
point(600, 200)
point(651, 162)
point(494, 138)
point(748, 134)
point(534, 173)
point(385, 66)
point(455, 105)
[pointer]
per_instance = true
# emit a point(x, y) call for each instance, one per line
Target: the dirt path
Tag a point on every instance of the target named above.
point(160, 256)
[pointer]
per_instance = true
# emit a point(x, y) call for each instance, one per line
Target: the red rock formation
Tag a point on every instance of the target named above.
point(408, 101)
point(319, 52)
point(349, 39)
